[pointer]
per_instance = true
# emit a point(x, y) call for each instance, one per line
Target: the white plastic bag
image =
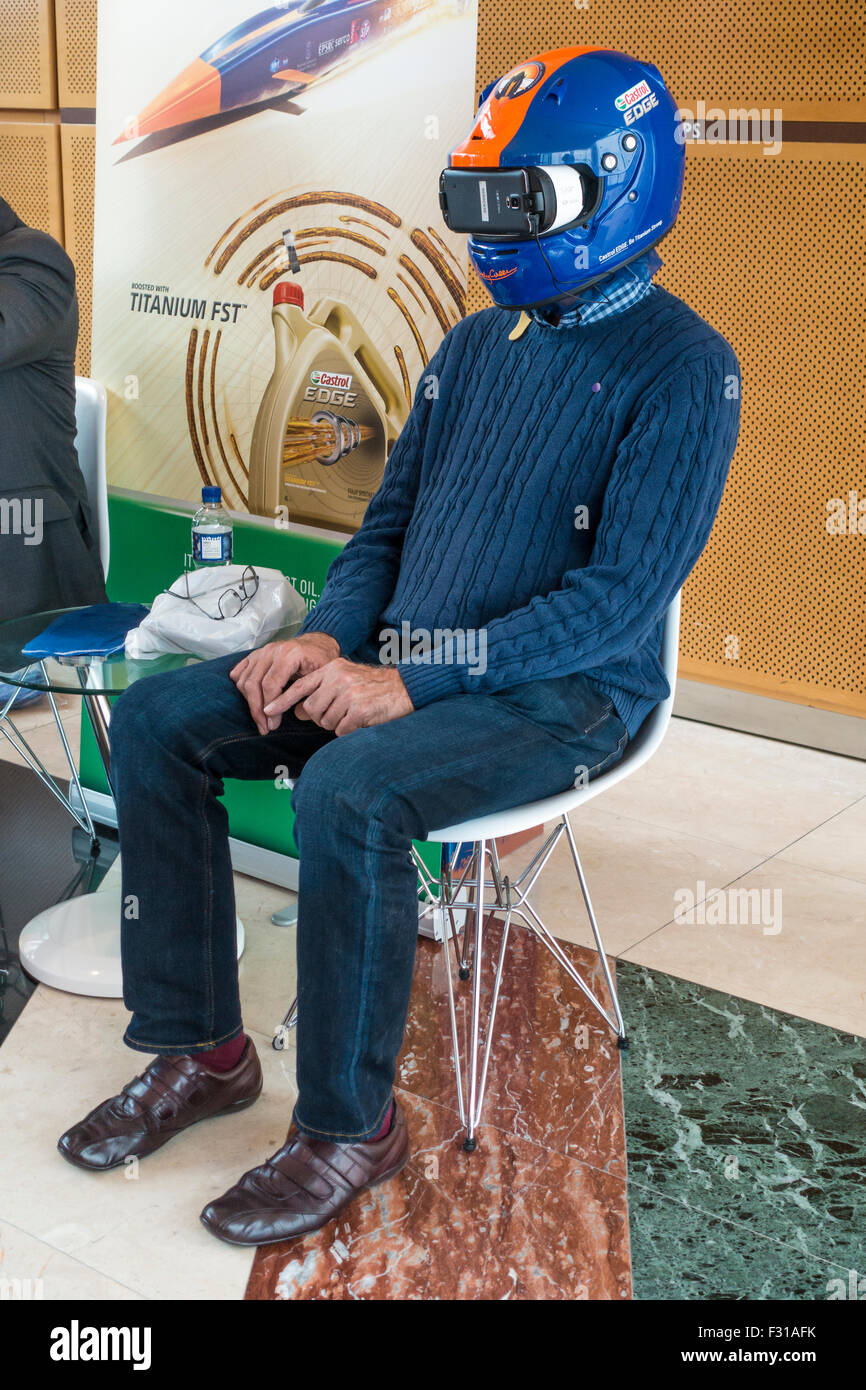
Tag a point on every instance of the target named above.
point(212, 612)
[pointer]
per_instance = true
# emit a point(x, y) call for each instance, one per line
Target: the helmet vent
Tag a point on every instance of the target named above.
point(557, 91)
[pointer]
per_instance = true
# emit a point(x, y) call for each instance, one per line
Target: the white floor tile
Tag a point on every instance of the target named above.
point(737, 788)
point(32, 1269)
point(143, 1233)
point(807, 957)
point(633, 871)
point(838, 846)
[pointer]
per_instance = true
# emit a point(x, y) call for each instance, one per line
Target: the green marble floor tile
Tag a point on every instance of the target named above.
point(680, 1253)
point(745, 1115)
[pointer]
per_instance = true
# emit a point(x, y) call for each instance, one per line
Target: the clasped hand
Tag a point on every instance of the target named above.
point(308, 674)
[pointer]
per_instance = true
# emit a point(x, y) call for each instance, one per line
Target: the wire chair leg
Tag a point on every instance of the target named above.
point(470, 1142)
point(23, 749)
point(455, 1033)
point(470, 871)
point(14, 735)
point(622, 1040)
point(85, 810)
point(281, 1033)
point(491, 1017)
point(471, 1086)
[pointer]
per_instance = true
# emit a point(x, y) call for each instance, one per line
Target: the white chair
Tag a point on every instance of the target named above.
point(90, 418)
point(91, 415)
point(511, 899)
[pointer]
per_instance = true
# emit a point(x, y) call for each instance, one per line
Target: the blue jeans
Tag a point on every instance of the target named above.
point(360, 801)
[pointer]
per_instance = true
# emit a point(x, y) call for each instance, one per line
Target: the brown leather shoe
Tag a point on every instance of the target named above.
point(304, 1186)
point(173, 1093)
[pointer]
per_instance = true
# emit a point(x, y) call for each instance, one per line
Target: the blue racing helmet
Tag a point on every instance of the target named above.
point(573, 168)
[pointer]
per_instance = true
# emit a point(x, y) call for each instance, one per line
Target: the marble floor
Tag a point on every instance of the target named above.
point(538, 1211)
point(722, 1157)
point(746, 1140)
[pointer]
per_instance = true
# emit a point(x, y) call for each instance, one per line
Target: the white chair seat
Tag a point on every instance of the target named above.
point(638, 752)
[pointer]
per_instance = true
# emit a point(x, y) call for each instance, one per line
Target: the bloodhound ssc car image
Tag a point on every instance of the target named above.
point(275, 54)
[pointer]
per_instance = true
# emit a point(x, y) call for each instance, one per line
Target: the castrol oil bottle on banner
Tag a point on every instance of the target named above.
point(329, 417)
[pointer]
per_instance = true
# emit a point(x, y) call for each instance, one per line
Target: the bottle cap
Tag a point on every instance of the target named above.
point(288, 292)
point(211, 494)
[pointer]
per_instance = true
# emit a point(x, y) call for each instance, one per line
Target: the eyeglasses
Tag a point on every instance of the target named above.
point(231, 601)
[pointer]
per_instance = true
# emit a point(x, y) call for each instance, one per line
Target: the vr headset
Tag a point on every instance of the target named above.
point(517, 204)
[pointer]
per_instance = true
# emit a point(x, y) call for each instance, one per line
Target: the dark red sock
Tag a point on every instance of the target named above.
point(224, 1057)
point(385, 1127)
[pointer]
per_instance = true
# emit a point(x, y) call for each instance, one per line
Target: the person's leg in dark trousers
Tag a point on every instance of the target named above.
point(174, 737)
point(360, 802)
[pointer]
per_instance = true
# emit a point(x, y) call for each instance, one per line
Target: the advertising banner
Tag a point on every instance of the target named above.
point(272, 272)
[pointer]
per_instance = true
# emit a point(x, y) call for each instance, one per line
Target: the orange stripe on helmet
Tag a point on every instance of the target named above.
point(500, 117)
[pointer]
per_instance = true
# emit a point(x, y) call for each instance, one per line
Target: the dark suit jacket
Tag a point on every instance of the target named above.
point(39, 473)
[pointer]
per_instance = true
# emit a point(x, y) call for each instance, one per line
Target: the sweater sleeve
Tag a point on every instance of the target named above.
point(360, 581)
point(658, 510)
point(37, 286)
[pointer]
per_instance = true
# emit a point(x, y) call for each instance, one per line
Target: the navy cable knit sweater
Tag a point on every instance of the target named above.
point(479, 522)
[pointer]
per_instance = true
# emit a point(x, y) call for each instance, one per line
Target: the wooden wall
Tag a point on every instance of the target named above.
point(47, 115)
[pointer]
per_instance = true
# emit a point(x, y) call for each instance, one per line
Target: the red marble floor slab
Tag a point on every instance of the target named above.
point(555, 1070)
point(511, 1221)
point(539, 1210)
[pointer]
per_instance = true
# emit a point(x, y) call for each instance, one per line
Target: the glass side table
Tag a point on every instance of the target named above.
point(75, 946)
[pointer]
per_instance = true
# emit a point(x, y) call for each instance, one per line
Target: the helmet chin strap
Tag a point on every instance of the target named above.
point(570, 299)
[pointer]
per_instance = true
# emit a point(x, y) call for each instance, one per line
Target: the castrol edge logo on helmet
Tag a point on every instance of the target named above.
point(520, 81)
point(636, 101)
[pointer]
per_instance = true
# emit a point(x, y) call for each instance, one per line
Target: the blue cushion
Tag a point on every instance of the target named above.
point(98, 630)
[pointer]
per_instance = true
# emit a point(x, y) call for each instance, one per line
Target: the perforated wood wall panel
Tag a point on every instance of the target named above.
point(770, 251)
point(77, 145)
point(76, 52)
point(27, 54)
point(46, 170)
point(30, 174)
point(777, 604)
point(806, 56)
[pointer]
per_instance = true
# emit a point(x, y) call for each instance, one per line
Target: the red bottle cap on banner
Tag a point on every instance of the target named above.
point(286, 292)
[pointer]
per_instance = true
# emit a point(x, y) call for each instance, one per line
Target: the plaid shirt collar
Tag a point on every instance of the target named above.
point(613, 295)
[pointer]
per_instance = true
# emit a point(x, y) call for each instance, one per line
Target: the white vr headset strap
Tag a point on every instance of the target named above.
point(568, 187)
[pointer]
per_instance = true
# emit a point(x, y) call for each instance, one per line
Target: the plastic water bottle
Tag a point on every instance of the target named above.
point(211, 531)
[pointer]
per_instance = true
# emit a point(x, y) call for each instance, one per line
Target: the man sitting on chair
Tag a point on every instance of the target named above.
point(555, 483)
